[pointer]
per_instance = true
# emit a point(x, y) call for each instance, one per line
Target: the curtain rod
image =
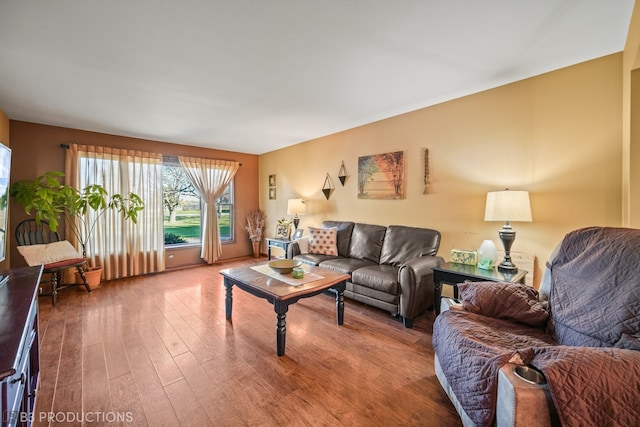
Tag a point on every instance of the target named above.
point(67, 146)
point(166, 157)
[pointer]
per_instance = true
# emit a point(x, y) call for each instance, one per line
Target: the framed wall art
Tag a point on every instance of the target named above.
point(272, 187)
point(381, 176)
point(297, 234)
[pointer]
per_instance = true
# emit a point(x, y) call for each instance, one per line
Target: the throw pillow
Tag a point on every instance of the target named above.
point(49, 253)
point(503, 300)
point(303, 244)
point(323, 241)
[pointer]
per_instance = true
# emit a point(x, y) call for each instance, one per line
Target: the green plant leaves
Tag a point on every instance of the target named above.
point(50, 200)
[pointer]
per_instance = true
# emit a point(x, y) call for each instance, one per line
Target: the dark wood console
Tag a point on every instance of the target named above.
point(19, 349)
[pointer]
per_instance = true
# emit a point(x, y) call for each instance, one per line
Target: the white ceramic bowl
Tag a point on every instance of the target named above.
point(283, 266)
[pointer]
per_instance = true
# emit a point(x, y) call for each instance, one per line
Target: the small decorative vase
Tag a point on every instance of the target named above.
point(488, 250)
point(256, 249)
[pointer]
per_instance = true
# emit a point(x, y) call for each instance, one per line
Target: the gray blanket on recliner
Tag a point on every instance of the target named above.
point(472, 348)
point(594, 302)
point(595, 293)
point(591, 386)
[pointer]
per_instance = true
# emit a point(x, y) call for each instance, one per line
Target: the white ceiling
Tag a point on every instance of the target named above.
point(257, 75)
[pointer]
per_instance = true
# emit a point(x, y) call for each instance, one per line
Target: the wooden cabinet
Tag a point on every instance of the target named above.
point(19, 349)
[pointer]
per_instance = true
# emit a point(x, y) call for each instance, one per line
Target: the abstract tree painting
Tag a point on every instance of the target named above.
point(381, 176)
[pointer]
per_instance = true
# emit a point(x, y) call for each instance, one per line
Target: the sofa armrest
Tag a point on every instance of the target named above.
point(521, 403)
point(298, 247)
point(416, 285)
point(293, 250)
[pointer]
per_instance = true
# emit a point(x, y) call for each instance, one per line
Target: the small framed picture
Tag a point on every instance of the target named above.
point(272, 180)
point(282, 231)
point(297, 234)
point(272, 194)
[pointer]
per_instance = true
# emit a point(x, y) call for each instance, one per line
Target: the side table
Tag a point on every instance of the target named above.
point(452, 273)
point(274, 242)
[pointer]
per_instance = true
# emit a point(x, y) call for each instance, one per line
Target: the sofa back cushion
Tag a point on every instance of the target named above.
point(366, 242)
point(344, 234)
point(404, 243)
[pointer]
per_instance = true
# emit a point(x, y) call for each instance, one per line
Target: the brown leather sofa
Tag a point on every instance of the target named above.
point(390, 267)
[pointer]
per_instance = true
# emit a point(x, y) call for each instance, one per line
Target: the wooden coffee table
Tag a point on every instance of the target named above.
point(282, 294)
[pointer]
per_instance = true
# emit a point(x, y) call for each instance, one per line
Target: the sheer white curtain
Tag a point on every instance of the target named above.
point(210, 178)
point(121, 247)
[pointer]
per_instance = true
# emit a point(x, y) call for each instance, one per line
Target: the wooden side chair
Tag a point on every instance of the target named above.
point(54, 254)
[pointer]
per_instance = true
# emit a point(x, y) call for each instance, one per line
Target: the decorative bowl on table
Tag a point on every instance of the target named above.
point(283, 266)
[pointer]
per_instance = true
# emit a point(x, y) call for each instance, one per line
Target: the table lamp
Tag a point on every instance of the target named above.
point(507, 205)
point(296, 207)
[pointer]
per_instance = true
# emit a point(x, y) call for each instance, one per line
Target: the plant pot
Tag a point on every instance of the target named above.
point(256, 249)
point(93, 275)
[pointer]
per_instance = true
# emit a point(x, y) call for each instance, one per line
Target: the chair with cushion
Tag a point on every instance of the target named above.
point(41, 246)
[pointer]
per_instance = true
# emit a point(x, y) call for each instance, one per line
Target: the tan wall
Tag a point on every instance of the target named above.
point(4, 138)
point(557, 135)
point(36, 150)
point(631, 125)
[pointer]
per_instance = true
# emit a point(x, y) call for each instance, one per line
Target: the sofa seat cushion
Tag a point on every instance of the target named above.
point(382, 278)
point(314, 259)
point(373, 297)
point(345, 265)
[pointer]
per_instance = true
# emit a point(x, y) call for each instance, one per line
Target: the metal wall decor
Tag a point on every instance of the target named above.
point(426, 171)
point(381, 176)
point(342, 174)
point(327, 187)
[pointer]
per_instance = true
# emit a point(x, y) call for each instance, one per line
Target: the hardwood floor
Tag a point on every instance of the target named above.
point(156, 350)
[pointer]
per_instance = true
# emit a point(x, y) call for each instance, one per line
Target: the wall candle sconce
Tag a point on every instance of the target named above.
point(426, 171)
point(342, 174)
point(327, 187)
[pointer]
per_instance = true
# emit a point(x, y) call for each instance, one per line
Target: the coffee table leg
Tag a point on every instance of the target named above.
point(228, 302)
point(281, 327)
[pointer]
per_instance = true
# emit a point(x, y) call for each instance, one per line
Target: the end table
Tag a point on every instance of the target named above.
point(452, 273)
point(275, 242)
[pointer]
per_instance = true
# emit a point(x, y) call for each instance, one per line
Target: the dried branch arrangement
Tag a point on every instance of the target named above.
point(256, 222)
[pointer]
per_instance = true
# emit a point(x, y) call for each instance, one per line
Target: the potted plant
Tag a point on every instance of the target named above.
point(49, 200)
point(256, 221)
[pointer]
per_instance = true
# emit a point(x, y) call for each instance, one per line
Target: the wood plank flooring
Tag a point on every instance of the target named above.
point(156, 350)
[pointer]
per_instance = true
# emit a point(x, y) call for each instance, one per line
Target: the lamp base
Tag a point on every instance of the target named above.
point(507, 235)
point(296, 221)
point(507, 267)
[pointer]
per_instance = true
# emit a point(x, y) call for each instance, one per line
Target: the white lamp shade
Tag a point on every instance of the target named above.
point(508, 205)
point(296, 207)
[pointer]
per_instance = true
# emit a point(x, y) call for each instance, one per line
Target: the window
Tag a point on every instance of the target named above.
point(182, 208)
point(225, 214)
